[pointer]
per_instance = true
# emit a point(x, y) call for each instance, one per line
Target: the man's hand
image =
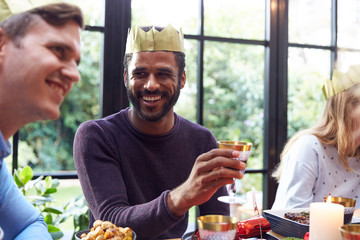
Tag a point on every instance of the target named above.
point(211, 171)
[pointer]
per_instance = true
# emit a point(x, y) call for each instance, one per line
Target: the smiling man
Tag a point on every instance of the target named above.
point(39, 55)
point(145, 166)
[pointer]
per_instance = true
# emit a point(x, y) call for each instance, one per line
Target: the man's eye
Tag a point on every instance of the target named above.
point(164, 74)
point(139, 74)
point(59, 51)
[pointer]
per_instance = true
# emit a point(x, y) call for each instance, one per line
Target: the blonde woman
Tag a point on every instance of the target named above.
point(324, 159)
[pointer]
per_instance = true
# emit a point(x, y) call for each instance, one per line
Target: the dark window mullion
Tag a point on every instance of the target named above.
point(15, 150)
point(275, 94)
point(117, 23)
point(200, 69)
point(334, 30)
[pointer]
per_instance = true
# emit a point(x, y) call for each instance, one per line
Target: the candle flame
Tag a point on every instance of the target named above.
point(328, 200)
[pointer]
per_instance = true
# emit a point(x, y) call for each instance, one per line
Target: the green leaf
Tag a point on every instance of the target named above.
point(84, 221)
point(48, 219)
point(17, 179)
point(55, 183)
point(81, 222)
point(26, 174)
point(48, 182)
point(57, 235)
point(52, 228)
point(55, 232)
point(50, 191)
point(53, 210)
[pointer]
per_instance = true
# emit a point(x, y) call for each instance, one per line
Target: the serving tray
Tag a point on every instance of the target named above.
point(284, 226)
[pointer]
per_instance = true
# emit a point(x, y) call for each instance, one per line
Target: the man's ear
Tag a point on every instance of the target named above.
point(3, 39)
point(125, 78)
point(183, 79)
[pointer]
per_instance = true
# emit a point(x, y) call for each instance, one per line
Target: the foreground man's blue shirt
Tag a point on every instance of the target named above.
point(18, 217)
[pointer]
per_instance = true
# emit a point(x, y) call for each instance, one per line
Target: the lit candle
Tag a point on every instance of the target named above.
point(325, 220)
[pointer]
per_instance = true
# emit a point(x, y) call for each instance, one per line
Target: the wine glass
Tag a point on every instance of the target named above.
point(244, 149)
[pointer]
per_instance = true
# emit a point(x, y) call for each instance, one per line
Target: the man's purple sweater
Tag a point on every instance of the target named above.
point(126, 174)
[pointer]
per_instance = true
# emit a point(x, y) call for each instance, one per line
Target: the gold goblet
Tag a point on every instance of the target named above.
point(215, 227)
point(244, 149)
point(350, 232)
point(349, 206)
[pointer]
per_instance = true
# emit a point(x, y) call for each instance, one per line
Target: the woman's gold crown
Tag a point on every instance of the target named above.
point(341, 81)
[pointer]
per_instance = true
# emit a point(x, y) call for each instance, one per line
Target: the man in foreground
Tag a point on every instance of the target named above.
point(39, 55)
point(145, 166)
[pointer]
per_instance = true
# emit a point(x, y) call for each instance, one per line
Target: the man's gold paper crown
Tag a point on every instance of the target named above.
point(168, 39)
point(341, 81)
point(12, 7)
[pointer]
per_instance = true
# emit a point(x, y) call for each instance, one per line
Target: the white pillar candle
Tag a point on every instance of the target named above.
point(325, 220)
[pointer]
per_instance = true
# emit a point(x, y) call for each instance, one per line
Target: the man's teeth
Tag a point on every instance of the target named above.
point(152, 98)
point(58, 89)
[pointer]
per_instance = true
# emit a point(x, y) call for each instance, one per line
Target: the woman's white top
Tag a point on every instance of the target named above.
point(311, 171)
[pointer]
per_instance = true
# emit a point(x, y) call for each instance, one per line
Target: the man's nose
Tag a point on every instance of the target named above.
point(151, 84)
point(71, 72)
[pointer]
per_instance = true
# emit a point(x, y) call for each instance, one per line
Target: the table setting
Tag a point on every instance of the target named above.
point(331, 219)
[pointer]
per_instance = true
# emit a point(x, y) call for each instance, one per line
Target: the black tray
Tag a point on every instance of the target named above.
point(286, 227)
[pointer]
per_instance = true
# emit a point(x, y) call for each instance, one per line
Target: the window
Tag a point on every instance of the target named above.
point(254, 71)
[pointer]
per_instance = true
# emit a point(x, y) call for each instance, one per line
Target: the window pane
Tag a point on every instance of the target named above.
point(186, 105)
point(234, 94)
point(47, 145)
point(235, 19)
point(163, 12)
point(349, 24)
point(310, 22)
point(93, 11)
point(346, 59)
point(307, 69)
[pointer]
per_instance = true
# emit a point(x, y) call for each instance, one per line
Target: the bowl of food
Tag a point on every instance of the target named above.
point(107, 230)
point(349, 206)
point(213, 227)
point(350, 232)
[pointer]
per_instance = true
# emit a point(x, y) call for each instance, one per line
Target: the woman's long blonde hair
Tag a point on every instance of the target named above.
point(334, 128)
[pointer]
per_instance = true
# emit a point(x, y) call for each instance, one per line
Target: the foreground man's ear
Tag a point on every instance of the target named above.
point(3, 39)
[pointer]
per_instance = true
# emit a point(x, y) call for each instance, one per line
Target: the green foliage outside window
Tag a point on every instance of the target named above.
point(40, 193)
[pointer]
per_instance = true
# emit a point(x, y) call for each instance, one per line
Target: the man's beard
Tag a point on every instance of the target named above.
point(134, 99)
